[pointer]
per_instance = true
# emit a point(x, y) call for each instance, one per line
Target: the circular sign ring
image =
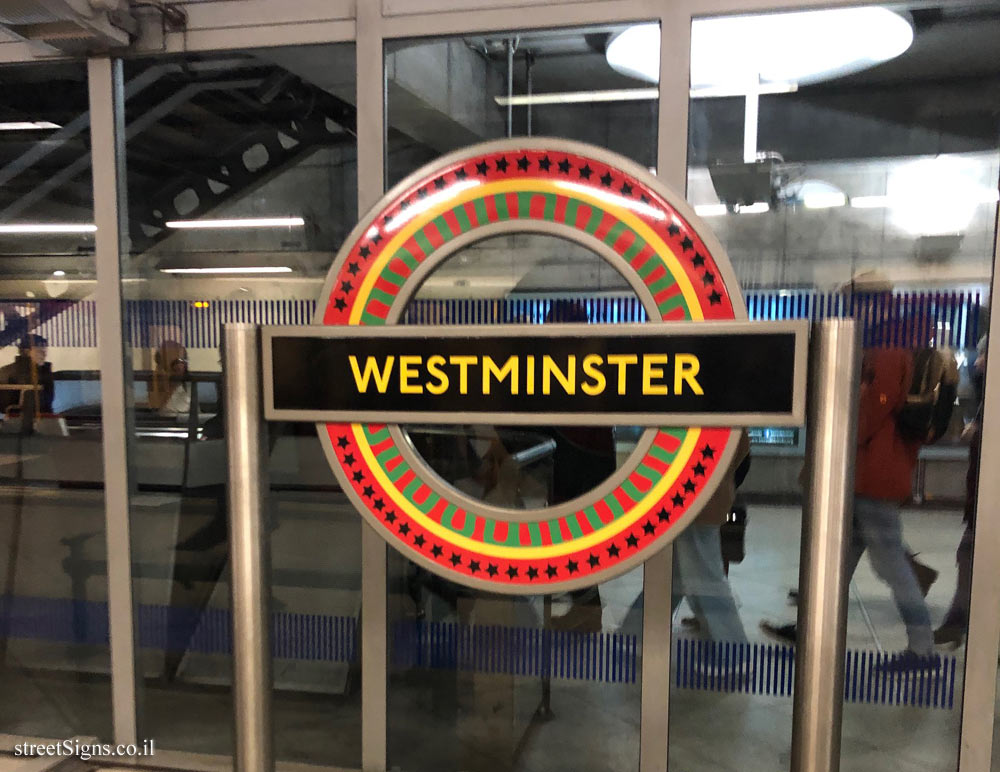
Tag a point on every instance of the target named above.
point(653, 238)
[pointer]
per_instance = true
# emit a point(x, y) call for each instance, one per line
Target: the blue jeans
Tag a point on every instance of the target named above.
point(699, 576)
point(878, 529)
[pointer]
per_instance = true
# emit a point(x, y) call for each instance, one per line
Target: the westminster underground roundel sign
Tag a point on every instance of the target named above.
point(680, 273)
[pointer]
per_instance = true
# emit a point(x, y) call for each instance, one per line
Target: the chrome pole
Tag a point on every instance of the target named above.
point(246, 442)
point(826, 530)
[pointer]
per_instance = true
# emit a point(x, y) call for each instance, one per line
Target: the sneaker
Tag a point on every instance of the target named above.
point(691, 623)
point(909, 661)
point(784, 633)
point(926, 576)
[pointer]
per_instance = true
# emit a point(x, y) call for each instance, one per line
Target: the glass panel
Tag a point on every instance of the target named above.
point(54, 655)
point(241, 186)
point(846, 179)
point(510, 679)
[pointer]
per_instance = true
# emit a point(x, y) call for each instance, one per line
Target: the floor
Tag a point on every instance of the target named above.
point(446, 718)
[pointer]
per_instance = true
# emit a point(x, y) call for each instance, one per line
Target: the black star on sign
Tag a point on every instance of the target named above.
point(352, 268)
point(368, 491)
point(698, 469)
point(474, 566)
point(502, 165)
point(481, 168)
point(404, 205)
point(439, 183)
point(532, 573)
point(594, 560)
point(342, 442)
point(349, 459)
point(698, 260)
point(551, 570)
point(378, 504)
point(511, 572)
point(708, 278)
point(404, 528)
point(613, 551)
point(422, 193)
point(606, 179)
point(585, 172)
point(708, 452)
point(714, 298)
point(492, 570)
point(390, 517)
point(663, 515)
point(461, 174)
point(376, 238)
point(436, 550)
point(572, 567)
point(419, 540)
point(340, 304)
point(687, 244)
point(523, 163)
point(673, 229)
point(564, 166)
point(678, 499)
point(626, 189)
point(364, 251)
point(387, 219)
point(455, 559)
point(359, 476)
point(649, 528)
point(689, 486)
point(644, 198)
point(544, 163)
point(632, 540)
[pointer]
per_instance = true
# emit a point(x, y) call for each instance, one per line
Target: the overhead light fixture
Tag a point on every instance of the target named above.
point(27, 125)
point(573, 97)
point(825, 200)
point(58, 273)
point(246, 222)
point(232, 269)
point(710, 210)
point(48, 227)
point(869, 202)
point(758, 207)
point(936, 196)
point(748, 51)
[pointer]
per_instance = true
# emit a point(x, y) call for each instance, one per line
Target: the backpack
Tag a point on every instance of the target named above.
point(929, 403)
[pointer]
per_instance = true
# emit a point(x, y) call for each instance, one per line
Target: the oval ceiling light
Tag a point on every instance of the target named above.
point(737, 54)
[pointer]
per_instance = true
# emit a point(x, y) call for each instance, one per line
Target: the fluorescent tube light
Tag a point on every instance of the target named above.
point(870, 202)
point(824, 200)
point(48, 227)
point(232, 269)
point(248, 222)
point(569, 97)
point(27, 125)
point(758, 207)
point(710, 210)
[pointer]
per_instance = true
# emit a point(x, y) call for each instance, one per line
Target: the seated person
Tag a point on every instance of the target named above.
point(29, 369)
point(170, 391)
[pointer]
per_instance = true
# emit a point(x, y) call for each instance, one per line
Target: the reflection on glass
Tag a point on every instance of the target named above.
point(54, 656)
point(241, 177)
point(831, 207)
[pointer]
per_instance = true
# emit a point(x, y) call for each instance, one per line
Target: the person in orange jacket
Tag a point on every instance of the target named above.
point(883, 480)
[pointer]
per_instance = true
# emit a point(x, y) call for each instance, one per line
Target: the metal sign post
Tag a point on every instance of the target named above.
point(826, 531)
point(246, 443)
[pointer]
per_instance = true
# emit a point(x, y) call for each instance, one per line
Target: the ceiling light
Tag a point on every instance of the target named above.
point(869, 202)
point(823, 200)
point(710, 210)
point(248, 222)
point(58, 273)
point(935, 196)
point(758, 207)
point(27, 125)
point(572, 97)
point(48, 227)
point(742, 52)
point(232, 269)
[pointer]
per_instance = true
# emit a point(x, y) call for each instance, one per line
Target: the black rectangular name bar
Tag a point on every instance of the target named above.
point(687, 374)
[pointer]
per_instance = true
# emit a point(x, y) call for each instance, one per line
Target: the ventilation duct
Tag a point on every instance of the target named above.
point(71, 26)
